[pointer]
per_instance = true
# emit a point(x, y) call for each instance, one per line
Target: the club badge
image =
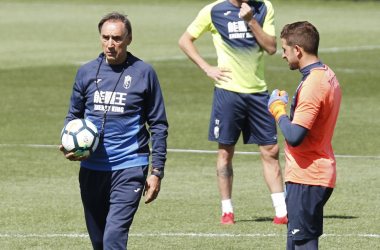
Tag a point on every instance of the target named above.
point(127, 82)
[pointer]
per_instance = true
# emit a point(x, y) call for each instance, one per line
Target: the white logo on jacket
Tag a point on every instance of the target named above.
point(127, 82)
point(111, 101)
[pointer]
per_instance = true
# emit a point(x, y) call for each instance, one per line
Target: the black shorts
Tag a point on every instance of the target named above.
point(305, 210)
point(234, 113)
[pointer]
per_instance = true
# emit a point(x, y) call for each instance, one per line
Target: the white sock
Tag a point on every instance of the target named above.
point(279, 204)
point(227, 206)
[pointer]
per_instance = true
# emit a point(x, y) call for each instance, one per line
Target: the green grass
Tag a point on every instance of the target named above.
point(43, 43)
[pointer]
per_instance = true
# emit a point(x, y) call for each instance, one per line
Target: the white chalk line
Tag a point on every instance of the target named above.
point(348, 71)
point(279, 52)
point(206, 235)
point(257, 153)
point(176, 234)
point(190, 151)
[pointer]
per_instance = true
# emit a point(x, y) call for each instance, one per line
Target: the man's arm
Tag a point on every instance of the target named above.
point(267, 42)
point(186, 42)
point(158, 128)
point(76, 110)
point(293, 133)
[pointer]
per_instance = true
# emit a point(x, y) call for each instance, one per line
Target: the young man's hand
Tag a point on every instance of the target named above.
point(246, 12)
point(277, 103)
point(218, 74)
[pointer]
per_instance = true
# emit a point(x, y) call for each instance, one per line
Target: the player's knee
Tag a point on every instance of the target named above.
point(226, 152)
point(224, 156)
point(270, 151)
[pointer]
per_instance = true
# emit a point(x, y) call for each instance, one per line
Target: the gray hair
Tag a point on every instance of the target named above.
point(113, 17)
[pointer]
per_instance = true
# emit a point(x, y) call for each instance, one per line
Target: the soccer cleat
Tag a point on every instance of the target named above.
point(227, 219)
point(280, 220)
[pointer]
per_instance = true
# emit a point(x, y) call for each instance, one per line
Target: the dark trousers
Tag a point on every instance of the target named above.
point(110, 200)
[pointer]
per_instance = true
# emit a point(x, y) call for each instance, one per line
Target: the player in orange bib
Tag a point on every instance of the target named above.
point(310, 172)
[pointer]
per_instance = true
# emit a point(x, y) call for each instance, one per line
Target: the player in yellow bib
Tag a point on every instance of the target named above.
point(242, 31)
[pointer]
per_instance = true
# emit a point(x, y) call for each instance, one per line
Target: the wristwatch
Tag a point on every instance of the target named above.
point(157, 172)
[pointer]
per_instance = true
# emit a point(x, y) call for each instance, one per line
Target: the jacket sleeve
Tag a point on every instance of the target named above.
point(157, 121)
point(77, 100)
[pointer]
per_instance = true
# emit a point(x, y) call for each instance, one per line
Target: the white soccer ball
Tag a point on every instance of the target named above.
point(80, 136)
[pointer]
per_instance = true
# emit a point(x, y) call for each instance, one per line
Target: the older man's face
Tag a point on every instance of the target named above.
point(114, 41)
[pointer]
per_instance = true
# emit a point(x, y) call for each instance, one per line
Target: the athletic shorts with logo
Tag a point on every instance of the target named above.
point(305, 210)
point(234, 113)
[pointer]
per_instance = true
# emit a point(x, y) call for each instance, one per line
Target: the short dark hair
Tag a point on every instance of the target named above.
point(113, 17)
point(303, 34)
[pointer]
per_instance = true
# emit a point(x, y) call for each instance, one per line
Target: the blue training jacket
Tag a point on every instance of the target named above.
point(136, 101)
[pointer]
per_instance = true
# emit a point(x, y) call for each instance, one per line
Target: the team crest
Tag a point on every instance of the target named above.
point(127, 82)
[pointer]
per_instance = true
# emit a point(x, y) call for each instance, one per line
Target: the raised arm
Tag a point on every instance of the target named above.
point(267, 42)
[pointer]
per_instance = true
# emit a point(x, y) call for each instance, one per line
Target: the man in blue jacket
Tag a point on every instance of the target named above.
point(120, 94)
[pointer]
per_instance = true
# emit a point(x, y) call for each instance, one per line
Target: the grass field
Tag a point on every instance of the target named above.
point(44, 43)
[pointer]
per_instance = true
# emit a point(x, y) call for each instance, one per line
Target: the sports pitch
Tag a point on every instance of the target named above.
point(45, 42)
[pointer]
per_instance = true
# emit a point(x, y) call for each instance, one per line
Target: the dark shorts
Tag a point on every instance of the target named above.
point(110, 200)
point(305, 210)
point(234, 113)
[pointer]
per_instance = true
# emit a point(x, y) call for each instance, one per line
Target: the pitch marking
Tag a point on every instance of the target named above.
point(189, 151)
point(279, 52)
point(179, 235)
